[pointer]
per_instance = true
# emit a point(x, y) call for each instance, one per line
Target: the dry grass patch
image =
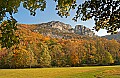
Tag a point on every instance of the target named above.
point(70, 72)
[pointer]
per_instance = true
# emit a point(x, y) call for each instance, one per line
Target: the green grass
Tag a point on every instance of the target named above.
point(70, 72)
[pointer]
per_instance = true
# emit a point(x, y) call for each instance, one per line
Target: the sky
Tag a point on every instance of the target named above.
point(23, 16)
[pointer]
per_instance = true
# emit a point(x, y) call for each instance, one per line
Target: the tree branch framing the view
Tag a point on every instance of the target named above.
point(106, 14)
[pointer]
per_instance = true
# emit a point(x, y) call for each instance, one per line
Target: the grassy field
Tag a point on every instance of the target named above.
point(70, 72)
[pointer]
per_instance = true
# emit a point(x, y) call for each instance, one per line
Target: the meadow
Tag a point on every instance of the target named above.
point(67, 72)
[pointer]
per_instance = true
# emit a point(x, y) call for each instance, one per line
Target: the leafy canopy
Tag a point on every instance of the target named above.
point(106, 13)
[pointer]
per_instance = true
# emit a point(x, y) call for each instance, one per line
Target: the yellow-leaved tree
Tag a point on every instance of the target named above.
point(106, 13)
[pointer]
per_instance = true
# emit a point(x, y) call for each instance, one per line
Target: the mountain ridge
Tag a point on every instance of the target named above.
point(57, 29)
point(114, 36)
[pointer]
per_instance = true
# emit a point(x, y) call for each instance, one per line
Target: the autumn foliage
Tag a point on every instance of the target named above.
point(36, 50)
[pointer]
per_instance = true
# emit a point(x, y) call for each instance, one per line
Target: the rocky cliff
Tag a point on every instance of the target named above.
point(82, 30)
point(58, 29)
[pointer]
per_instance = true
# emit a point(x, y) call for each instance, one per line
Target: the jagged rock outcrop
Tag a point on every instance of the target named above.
point(58, 29)
point(82, 30)
point(54, 29)
point(56, 25)
point(60, 25)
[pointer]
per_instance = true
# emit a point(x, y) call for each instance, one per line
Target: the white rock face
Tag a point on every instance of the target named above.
point(60, 25)
point(58, 29)
point(82, 30)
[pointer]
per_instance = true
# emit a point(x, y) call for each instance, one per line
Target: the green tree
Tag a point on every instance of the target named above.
point(33, 60)
point(8, 37)
point(104, 54)
point(108, 59)
point(105, 13)
point(56, 55)
point(45, 58)
point(113, 47)
point(17, 58)
point(11, 7)
point(91, 53)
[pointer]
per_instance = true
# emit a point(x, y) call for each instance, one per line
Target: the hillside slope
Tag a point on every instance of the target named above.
point(114, 36)
point(37, 50)
point(56, 29)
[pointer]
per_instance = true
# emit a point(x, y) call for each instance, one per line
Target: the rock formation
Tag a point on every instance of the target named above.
point(58, 29)
point(82, 30)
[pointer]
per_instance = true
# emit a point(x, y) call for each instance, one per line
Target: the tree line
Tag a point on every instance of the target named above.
point(105, 13)
point(36, 50)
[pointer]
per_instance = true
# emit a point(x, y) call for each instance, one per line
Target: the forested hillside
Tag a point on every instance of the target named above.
point(57, 29)
point(114, 36)
point(36, 50)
